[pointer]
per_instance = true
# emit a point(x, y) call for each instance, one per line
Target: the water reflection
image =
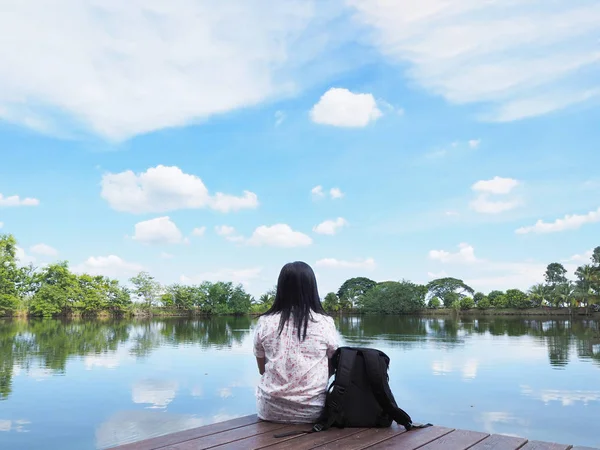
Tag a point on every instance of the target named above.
point(42, 348)
point(137, 379)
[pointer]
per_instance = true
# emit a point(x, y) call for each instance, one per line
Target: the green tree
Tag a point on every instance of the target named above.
point(239, 301)
point(179, 296)
point(596, 257)
point(59, 291)
point(467, 303)
point(331, 302)
point(555, 274)
point(484, 303)
point(448, 288)
point(146, 288)
point(8, 275)
point(352, 291)
point(478, 297)
point(499, 302)
point(391, 297)
point(434, 303)
point(492, 296)
point(538, 294)
point(516, 298)
point(555, 277)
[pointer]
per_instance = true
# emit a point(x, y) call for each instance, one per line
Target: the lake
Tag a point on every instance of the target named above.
point(94, 384)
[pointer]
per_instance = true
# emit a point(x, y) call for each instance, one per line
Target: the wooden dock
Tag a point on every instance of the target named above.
point(249, 432)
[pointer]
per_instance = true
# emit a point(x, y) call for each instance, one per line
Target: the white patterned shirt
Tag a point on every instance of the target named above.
point(293, 387)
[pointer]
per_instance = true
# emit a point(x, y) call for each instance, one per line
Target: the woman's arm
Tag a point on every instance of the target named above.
point(261, 365)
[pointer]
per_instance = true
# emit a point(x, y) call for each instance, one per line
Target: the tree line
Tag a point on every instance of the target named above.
point(391, 297)
point(54, 290)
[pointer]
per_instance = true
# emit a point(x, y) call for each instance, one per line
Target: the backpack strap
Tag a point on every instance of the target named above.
point(334, 407)
point(377, 372)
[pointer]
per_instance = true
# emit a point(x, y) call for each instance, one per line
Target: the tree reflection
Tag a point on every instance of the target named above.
point(51, 344)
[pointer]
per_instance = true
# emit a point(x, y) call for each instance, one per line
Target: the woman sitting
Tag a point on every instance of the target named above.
point(293, 343)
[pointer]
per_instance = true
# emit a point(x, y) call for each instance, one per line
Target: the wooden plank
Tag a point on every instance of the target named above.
point(539, 445)
point(226, 437)
point(313, 440)
point(457, 440)
point(413, 439)
point(192, 433)
point(363, 439)
point(500, 442)
point(263, 440)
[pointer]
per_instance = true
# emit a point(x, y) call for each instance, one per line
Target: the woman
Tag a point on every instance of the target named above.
point(293, 343)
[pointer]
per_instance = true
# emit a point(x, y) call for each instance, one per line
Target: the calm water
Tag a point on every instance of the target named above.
point(84, 385)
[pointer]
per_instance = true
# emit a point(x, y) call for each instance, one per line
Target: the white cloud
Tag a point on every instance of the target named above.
point(569, 222)
point(436, 154)
point(279, 118)
point(228, 233)
point(15, 200)
point(341, 108)
point(336, 193)
point(129, 68)
point(279, 235)
point(198, 231)
point(546, 59)
point(166, 188)
point(483, 204)
point(583, 258)
point(330, 227)
point(465, 254)
point(452, 213)
point(317, 191)
point(474, 143)
point(224, 230)
point(109, 266)
point(43, 249)
point(496, 185)
point(157, 231)
point(332, 263)
point(243, 276)
point(1, 224)
point(23, 258)
point(435, 275)
point(158, 393)
point(165, 255)
point(486, 275)
point(226, 203)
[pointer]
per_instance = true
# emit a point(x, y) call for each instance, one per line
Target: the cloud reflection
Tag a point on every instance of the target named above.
point(158, 393)
point(130, 426)
point(566, 398)
point(467, 368)
point(492, 419)
point(14, 425)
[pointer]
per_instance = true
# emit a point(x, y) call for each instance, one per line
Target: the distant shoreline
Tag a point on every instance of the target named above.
point(579, 313)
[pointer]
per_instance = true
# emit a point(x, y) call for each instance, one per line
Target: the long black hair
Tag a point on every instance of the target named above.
point(297, 296)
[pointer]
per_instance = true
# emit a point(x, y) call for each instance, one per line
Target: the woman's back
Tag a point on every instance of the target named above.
point(296, 369)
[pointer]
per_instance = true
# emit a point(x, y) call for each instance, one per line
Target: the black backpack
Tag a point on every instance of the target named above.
point(360, 395)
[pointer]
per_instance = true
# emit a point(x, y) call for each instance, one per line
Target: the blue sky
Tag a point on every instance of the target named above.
point(191, 139)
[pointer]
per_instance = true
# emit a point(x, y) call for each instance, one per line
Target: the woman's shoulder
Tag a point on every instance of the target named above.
point(321, 317)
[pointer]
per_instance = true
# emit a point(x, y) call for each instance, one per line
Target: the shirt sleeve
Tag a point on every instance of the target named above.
point(333, 338)
point(259, 350)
